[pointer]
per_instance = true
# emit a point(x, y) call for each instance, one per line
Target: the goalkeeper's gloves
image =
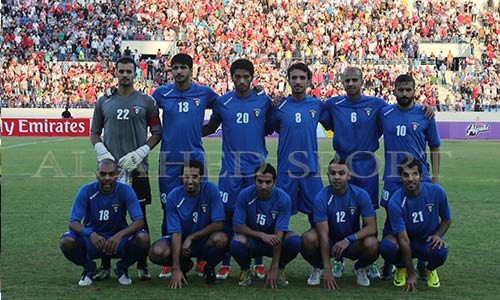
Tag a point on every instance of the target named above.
point(102, 152)
point(133, 159)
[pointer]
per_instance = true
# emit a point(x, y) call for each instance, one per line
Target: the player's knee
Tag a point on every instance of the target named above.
point(158, 251)
point(371, 245)
point(388, 249)
point(293, 243)
point(438, 255)
point(219, 240)
point(240, 238)
point(309, 239)
point(142, 240)
point(67, 244)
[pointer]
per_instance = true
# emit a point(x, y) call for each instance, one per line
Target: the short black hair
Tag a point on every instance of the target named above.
point(126, 60)
point(244, 64)
point(265, 168)
point(340, 161)
point(194, 163)
point(182, 59)
point(404, 78)
point(107, 161)
point(409, 162)
point(299, 66)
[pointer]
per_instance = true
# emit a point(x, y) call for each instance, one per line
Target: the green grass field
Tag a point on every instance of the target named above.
point(41, 177)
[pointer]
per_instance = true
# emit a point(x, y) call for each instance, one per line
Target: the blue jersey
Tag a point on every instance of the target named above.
point(419, 216)
point(406, 132)
point(268, 215)
point(243, 125)
point(183, 116)
point(355, 124)
point(342, 212)
point(297, 123)
point(104, 213)
point(188, 214)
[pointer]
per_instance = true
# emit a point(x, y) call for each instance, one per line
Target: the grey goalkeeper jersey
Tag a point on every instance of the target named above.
point(125, 122)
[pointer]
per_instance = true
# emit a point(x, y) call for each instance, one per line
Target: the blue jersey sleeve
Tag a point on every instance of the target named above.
point(320, 207)
point(272, 123)
point(133, 207)
point(79, 208)
point(216, 206)
point(444, 207)
point(325, 118)
point(174, 224)
point(366, 205)
point(284, 210)
point(433, 138)
point(240, 209)
point(211, 97)
point(396, 214)
point(216, 117)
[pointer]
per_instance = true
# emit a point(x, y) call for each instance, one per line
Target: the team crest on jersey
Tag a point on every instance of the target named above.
point(196, 101)
point(256, 112)
point(312, 113)
point(429, 207)
point(137, 109)
point(115, 207)
point(204, 208)
point(352, 210)
point(368, 111)
point(274, 214)
point(415, 125)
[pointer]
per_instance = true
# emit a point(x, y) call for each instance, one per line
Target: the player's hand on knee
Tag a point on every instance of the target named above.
point(133, 159)
point(99, 241)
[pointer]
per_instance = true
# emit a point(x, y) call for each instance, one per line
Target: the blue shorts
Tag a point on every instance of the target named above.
point(302, 189)
point(365, 175)
point(230, 187)
point(198, 247)
point(91, 249)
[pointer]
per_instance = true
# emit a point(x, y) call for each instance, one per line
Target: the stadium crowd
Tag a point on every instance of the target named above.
point(54, 53)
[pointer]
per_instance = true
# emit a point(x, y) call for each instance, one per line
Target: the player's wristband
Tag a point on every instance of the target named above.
point(351, 238)
point(85, 231)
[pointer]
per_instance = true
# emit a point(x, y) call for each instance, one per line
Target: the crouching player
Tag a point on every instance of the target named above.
point(195, 220)
point(337, 212)
point(103, 206)
point(260, 222)
point(419, 215)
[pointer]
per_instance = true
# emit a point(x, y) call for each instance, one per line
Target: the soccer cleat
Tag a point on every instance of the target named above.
point(373, 271)
point(224, 272)
point(387, 271)
point(101, 274)
point(400, 277)
point(315, 277)
point(245, 278)
point(433, 279)
point(86, 278)
point(166, 272)
point(338, 269)
point(421, 272)
point(362, 277)
point(143, 274)
point(260, 271)
point(282, 278)
point(200, 267)
point(122, 275)
point(209, 274)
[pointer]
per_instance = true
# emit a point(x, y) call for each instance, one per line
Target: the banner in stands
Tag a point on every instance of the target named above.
point(469, 130)
point(45, 127)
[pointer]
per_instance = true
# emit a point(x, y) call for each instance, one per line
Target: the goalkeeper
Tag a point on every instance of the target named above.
point(123, 118)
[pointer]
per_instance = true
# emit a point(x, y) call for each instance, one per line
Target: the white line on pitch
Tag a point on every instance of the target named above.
point(35, 143)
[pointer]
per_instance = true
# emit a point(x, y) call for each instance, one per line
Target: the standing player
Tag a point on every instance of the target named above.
point(261, 220)
point(242, 113)
point(183, 104)
point(124, 118)
point(406, 134)
point(296, 120)
point(356, 139)
point(195, 220)
point(103, 206)
point(338, 210)
point(420, 216)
